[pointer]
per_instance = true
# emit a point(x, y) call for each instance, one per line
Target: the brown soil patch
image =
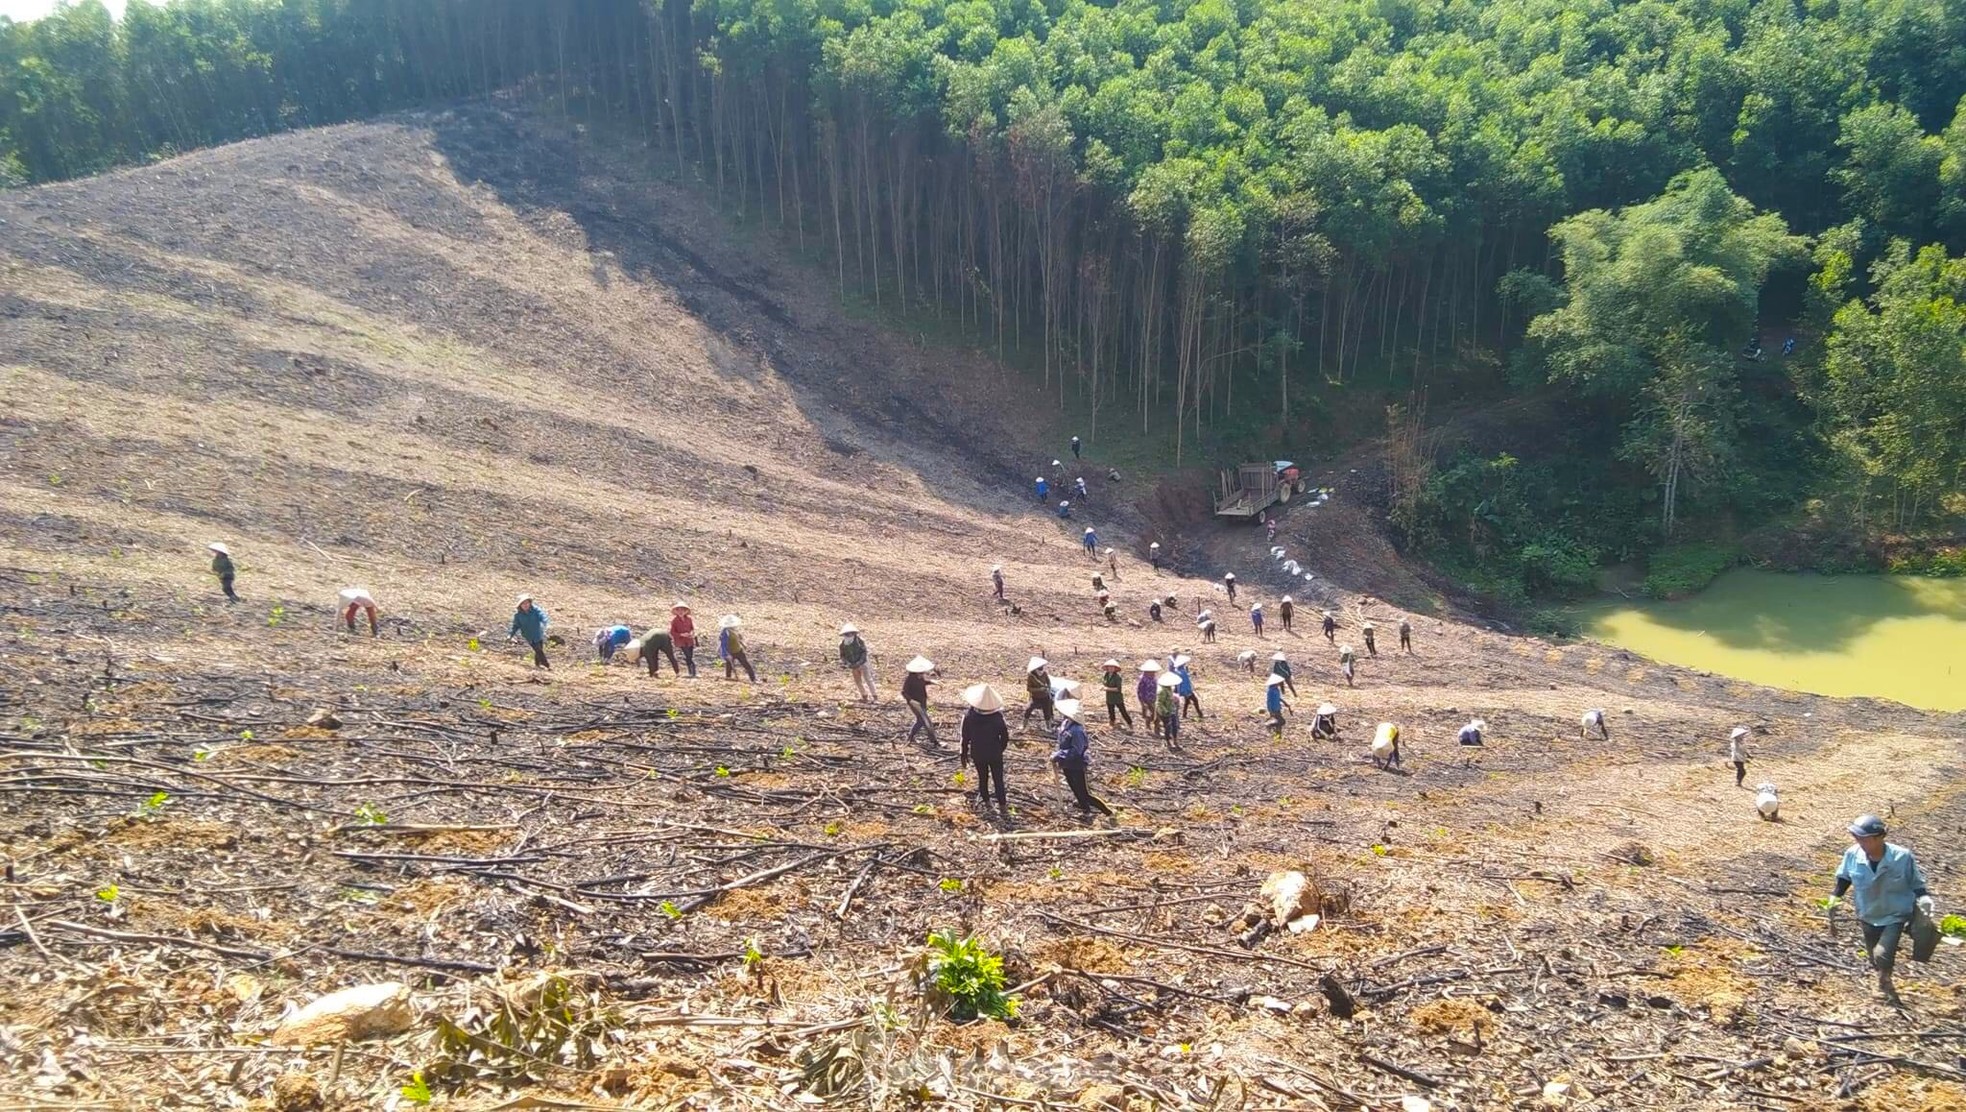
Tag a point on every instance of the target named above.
point(428, 897)
point(256, 754)
point(307, 733)
point(1903, 1093)
point(753, 903)
point(458, 843)
point(169, 833)
point(1088, 952)
point(1452, 1016)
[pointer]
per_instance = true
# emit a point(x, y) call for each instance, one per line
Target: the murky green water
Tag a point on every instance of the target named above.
point(1894, 637)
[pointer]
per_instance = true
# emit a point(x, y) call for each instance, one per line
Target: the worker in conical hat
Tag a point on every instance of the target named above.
point(1256, 618)
point(353, 599)
point(609, 639)
point(1285, 608)
point(682, 631)
point(1153, 555)
point(223, 568)
point(914, 692)
point(1091, 542)
point(1153, 610)
point(1280, 666)
point(1385, 746)
point(1144, 690)
point(985, 738)
point(1167, 709)
point(1594, 720)
point(1189, 700)
point(1330, 627)
point(730, 645)
point(1274, 703)
point(996, 581)
point(1074, 757)
point(1347, 663)
point(1114, 685)
point(1470, 734)
point(854, 656)
point(1405, 635)
point(1737, 752)
point(1037, 685)
point(651, 647)
point(1113, 563)
point(1112, 610)
point(1078, 486)
point(1065, 510)
point(529, 621)
point(1205, 622)
point(1043, 488)
point(1229, 582)
point(1325, 722)
point(1367, 628)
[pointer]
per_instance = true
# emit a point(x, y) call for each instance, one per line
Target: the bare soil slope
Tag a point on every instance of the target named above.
point(453, 356)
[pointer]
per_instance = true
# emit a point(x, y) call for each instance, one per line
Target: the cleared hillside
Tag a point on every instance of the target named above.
point(456, 356)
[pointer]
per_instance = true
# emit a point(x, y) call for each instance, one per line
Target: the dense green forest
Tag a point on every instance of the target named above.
point(1206, 221)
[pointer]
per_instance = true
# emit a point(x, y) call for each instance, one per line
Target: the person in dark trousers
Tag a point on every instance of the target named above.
point(1737, 752)
point(656, 644)
point(682, 630)
point(1091, 542)
point(1078, 485)
point(1280, 666)
point(1886, 890)
point(1229, 581)
point(1073, 757)
point(1274, 703)
point(1153, 555)
point(1075, 448)
point(1065, 509)
point(1256, 618)
point(1167, 710)
point(1405, 635)
point(222, 567)
point(914, 692)
point(1187, 688)
point(1115, 687)
point(1330, 627)
point(1324, 724)
point(529, 622)
point(854, 656)
point(609, 640)
point(1371, 646)
point(1043, 489)
point(996, 582)
point(1037, 685)
point(1347, 663)
point(1113, 564)
point(731, 636)
point(1153, 610)
point(985, 737)
point(1284, 610)
point(1470, 734)
point(1144, 690)
point(1594, 720)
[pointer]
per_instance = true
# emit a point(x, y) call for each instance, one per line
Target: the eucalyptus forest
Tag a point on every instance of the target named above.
point(1702, 260)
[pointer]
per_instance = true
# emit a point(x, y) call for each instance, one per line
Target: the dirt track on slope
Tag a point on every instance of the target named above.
point(452, 357)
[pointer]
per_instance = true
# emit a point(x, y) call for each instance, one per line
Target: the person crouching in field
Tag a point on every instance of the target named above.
point(651, 648)
point(610, 639)
point(223, 568)
point(357, 598)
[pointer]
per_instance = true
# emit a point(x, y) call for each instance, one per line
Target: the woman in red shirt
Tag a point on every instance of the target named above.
point(683, 632)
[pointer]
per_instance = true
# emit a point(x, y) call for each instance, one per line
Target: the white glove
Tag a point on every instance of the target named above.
point(1925, 906)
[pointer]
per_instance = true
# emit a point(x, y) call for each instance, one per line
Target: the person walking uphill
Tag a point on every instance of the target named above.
point(914, 692)
point(357, 598)
point(1073, 757)
point(853, 654)
point(1274, 703)
point(1280, 666)
point(1284, 610)
point(529, 622)
point(1371, 646)
point(730, 636)
point(1330, 627)
point(1091, 543)
point(222, 567)
point(1115, 687)
point(682, 631)
point(1187, 688)
point(985, 737)
point(1043, 488)
point(1037, 685)
point(1737, 752)
point(1886, 890)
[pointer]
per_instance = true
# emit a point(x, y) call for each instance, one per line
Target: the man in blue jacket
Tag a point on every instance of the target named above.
point(1886, 890)
point(529, 621)
point(1073, 757)
point(1043, 489)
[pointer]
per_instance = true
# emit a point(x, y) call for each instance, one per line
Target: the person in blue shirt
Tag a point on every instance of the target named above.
point(1274, 703)
point(529, 621)
point(1091, 542)
point(1886, 889)
point(1471, 733)
point(1073, 757)
point(613, 637)
point(1044, 489)
point(1065, 510)
point(1187, 688)
point(1256, 618)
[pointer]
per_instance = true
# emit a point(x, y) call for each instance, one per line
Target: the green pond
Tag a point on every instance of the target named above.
point(1893, 637)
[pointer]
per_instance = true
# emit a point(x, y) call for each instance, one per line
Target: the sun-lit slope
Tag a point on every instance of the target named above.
point(353, 361)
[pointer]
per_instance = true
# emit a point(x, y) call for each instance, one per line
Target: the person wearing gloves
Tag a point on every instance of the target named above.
point(1256, 618)
point(1471, 733)
point(1229, 581)
point(1144, 690)
point(1737, 752)
point(1886, 891)
point(682, 631)
point(985, 738)
point(653, 646)
point(608, 639)
point(914, 692)
point(1280, 666)
point(1371, 646)
point(1115, 687)
point(1037, 685)
point(1187, 689)
point(1284, 610)
point(1091, 542)
point(357, 598)
point(222, 567)
point(1330, 627)
point(730, 638)
point(853, 655)
point(529, 622)
point(1167, 709)
point(1274, 703)
point(1347, 663)
point(1073, 756)
point(1325, 722)
point(1594, 720)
